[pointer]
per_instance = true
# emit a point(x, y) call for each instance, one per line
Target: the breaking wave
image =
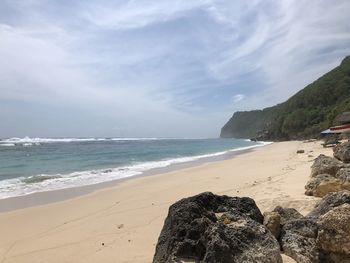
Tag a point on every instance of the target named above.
point(44, 182)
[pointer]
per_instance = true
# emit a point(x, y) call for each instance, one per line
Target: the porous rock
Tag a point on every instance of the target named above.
point(211, 228)
point(298, 240)
point(342, 152)
point(326, 165)
point(323, 184)
point(329, 202)
point(344, 176)
point(334, 231)
point(287, 214)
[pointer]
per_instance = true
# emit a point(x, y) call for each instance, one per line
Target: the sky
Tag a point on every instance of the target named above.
point(169, 68)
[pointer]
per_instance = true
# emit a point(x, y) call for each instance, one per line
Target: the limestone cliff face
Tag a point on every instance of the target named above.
point(304, 115)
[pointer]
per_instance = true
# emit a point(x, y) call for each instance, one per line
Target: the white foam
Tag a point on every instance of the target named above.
point(18, 187)
point(37, 141)
point(8, 144)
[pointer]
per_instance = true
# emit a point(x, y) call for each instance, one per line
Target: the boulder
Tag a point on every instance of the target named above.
point(272, 221)
point(342, 152)
point(343, 174)
point(322, 184)
point(212, 228)
point(329, 202)
point(287, 214)
point(300, 151)
point(334, 233)
point(326, 165)
point(298, 240)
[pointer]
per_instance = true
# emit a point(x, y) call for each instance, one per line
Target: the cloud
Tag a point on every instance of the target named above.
point(166, 68)
point(237, 98)
point(124, 15)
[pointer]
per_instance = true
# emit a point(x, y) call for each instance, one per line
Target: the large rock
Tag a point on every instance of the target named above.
point(287, 214)
point(326, 165)
point(329, 202)
point(342, 152)
point(211, 228)
point(298, 240)
point(323, 184)
point(334, 234)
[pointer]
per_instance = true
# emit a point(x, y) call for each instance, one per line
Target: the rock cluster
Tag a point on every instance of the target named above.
point(211, 228)
point(321, 236)
point(329, 174)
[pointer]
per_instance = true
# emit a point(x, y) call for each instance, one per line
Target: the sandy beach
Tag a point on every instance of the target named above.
point(122, 223)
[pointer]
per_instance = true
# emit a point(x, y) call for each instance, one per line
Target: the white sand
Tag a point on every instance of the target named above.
point(128, 217)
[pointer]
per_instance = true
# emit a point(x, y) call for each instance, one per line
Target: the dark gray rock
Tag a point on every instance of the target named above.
point(326, 165)
point(342, 152)
point(287, 214)
point(330, 201)
point(211, 228)
point(335, 258)
point(298, 240)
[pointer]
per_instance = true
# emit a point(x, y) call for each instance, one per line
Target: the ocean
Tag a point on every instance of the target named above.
point(29, 165)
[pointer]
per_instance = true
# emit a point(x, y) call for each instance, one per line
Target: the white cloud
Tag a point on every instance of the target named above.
point(237, 98)
point(136, 14)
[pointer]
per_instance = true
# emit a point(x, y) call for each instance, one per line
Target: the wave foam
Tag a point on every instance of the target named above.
point(27, 141)
point(43, 182)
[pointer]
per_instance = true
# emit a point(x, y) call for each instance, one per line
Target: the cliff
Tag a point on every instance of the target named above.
point(304, 115)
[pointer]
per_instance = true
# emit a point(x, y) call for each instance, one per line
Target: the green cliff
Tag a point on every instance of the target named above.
point(304, 115)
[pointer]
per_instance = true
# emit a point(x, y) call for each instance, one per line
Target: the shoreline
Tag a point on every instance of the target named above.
point(57, 195)
point(122, 223)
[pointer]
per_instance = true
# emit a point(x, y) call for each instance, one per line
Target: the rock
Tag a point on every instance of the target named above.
point(329, 202)
point(342, 152)
point(334, 234)
point(287, 214)
point(211, 228)
point(334, 230)
point(300, 151)
point(335, 258)
point(272, 221)
point(246, 240)
point(322, 184)
point(326, 165)
point(298, 240)
point(343, 174)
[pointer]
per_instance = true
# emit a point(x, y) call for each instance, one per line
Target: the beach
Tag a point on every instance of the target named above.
point(121, 223)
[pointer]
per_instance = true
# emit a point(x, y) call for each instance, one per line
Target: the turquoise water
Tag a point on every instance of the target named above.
point(29, 165)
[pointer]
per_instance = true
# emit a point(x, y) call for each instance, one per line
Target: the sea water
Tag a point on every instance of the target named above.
point(29, 165)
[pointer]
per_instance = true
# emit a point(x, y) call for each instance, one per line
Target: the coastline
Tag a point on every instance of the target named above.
point(52, 196)
point(122, 223)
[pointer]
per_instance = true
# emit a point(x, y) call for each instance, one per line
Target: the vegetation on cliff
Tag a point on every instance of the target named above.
point(304, 115)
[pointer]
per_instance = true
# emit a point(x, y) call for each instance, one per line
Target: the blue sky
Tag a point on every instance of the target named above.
point(158, 68)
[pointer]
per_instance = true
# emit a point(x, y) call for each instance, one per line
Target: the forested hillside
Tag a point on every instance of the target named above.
point(304, 115)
